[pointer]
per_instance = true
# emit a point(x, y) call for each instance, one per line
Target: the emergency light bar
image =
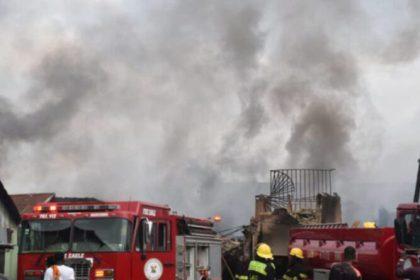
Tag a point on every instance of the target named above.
point(80, 208)
point(74, 208)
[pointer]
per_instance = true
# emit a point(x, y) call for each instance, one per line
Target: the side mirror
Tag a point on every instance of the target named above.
point(147, 228)
point(145, 235)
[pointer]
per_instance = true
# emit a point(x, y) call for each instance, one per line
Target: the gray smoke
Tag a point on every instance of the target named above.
point(405, 45)
point(62, 78)
point(385, 218)
point(324, 105)
point(320, 137)
point(188, 103)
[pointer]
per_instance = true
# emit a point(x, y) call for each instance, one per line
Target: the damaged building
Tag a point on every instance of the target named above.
point(9, 222)
point(298, 197)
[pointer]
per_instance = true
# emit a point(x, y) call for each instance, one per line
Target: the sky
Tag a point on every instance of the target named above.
point(191, 103)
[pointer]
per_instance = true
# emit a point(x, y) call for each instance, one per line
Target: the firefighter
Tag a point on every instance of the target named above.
point(346, 270)
point(262, 267)
point(49, 262)
point(296, 270)
point(241, 268)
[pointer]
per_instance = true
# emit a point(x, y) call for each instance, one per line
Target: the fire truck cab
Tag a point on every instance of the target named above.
point(407, 232)
point(118, 240)
point(407, 225)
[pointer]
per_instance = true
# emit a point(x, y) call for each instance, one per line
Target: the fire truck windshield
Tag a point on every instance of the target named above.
point(96, 235)
point(45, 236)
point(88, 235)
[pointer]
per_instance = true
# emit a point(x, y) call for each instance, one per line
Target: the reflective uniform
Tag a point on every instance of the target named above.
point(259, 270)
point(296, 272)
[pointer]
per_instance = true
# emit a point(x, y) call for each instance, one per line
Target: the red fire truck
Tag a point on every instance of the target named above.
point(377, 253)
point(118, 240)
point(378, 249)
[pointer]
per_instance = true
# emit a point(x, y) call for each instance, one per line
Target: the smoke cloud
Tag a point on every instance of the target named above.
point(405, 45)
point(188, 103)
point(63, 77)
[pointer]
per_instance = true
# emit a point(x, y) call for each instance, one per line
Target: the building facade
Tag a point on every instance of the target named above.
point(9, 223)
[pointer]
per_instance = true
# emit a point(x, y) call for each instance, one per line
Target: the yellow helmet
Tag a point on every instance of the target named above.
point(297, 252)
point(264, 251)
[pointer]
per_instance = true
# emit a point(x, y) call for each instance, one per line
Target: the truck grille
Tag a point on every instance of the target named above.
point(81, 268)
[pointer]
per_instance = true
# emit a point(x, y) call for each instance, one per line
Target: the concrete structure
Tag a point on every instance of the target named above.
point(298, 198)
point(272, 226)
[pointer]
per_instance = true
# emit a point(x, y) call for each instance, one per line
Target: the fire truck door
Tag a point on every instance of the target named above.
point(153, 258)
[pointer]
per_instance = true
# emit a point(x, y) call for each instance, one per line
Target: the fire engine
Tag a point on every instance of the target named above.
point(118, 240)
point(378, 249)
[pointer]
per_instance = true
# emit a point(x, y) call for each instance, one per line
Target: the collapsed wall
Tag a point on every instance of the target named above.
point(329, 207)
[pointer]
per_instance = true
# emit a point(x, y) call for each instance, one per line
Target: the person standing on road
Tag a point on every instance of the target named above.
point(49, 262)
point(296, 270)
point(346, 270)
point(59, 271)
point(262, 267)
point(411, 273)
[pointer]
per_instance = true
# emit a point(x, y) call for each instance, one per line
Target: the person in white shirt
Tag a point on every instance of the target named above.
point(59, 271)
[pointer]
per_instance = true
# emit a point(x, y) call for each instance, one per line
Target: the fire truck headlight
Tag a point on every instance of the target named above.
point(104, 273)
point(33, 274)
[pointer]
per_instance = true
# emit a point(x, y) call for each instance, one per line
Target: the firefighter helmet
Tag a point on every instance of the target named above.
point(264, 251)
point(296, 252)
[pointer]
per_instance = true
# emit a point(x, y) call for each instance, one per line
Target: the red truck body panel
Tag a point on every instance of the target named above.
point(377, 252)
